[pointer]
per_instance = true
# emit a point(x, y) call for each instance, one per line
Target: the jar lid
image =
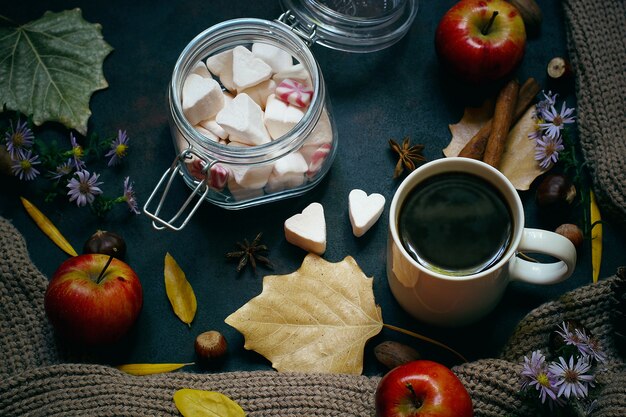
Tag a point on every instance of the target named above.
point(351, 25)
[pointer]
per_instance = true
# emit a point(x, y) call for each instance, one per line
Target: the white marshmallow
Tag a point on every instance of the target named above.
point(242, 193)
point(295, 72)
point(201, 70)
point(202, 98)
point(260, 92)
point(364, 210)
point(308, 229)
point(288, 173)
point(206, 133)
point(280, 117)
point(278, 59)
point(248, 70)
point(221, 65)
point(322, 133)
point(213, 127)
point(243, 119)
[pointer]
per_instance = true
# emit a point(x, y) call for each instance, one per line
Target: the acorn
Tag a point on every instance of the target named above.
point(107, 243)
point(211, 348)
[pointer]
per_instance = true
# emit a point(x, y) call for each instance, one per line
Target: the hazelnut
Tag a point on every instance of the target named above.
point(572, 232)
point(210, 347)
point(392, 354)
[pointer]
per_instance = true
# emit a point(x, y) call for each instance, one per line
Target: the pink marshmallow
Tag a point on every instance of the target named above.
point(295, 93)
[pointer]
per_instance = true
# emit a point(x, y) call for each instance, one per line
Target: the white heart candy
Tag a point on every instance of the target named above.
point(364, 210)
point(307, 230)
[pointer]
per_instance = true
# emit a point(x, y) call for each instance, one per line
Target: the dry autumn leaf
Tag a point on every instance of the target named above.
point(179, 291)
point(199, 403)
point(140, 369)
point(518, 162)
point(316, 319)
point(48, 228)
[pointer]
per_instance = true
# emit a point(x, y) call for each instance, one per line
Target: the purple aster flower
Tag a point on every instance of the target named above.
point(129, 196)
point(570, 337)
point(554, 121)
point(23, 166)
point(543, 106)
point(77, 153)
point(18, 139)
point(547, 150)
point(84, 189)
point(572, 379)
point(119, 147)
point(62, 170)
point(535, 374)
point(590, 346)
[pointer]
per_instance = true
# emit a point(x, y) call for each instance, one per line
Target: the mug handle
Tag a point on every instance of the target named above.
point(547, 243)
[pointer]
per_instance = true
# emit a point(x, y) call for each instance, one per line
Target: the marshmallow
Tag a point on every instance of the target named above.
point(288, 173)
point(219, 176)
point(202, 98)
point(295, 72)
point(248, 70)
point(214, 128)
point(295, 93)
point(278, 59)
point(308, 229)
point(364, 210)
point(315, 157)
point(221, 65)
point(242, 193)
point(201, 70)
point(249, 176)
point(260, 92)
point(206, 133)
point(243, 118)
point(323, 131)
point(280, 117)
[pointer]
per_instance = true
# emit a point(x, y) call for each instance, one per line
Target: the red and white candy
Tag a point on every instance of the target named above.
point(295, 93)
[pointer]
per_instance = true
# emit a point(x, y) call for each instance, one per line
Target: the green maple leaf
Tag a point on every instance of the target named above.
point(50, 67)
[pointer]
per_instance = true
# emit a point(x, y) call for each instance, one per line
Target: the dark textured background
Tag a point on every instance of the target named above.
point(390, 94)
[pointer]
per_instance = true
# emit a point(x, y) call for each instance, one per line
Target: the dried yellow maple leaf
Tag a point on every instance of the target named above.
point(179, 291)
point(316, 319)
point(518, 162)
point(199, 403)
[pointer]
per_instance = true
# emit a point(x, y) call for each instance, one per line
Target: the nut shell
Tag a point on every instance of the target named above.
point(107, 243)
point(530, 12)
point(211, 347)
point(392, 354)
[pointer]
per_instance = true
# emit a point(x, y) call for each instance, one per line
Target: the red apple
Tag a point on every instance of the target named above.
point(481, 40)
point(91, 309)
point(422, 389)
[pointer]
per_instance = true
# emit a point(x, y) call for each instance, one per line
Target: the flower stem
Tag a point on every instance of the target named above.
point(426, 339)
point(104, 270)
point(487, 27)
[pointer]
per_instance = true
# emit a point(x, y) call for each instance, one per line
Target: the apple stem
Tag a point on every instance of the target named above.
point(417, 403)
point(426, 339)
point(487, 27)
point(104, 270)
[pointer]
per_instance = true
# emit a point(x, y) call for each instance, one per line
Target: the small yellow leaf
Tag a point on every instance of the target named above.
point(316, 319)
point(199, 403)
point(471, 122)
point(179, 291)
point(150, 368)
point(596, 237)
point(48, 228)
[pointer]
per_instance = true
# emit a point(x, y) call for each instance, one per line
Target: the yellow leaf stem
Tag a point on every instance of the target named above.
point(596, 237)
point(179, 291)
point(140, 369)
point(47, 227)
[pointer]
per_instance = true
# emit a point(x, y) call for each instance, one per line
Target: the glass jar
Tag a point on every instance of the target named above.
point(216, 171)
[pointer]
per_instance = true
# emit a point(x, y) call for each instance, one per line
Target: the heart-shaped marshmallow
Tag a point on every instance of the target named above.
point(307, 230)
point(364, 210)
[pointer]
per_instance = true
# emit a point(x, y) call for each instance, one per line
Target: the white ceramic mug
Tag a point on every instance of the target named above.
point(447, 300)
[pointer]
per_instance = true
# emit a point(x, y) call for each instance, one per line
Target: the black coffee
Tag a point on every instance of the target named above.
point(455, 223)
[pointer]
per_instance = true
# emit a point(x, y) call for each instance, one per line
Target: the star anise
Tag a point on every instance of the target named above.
point(409, 156)
point(250, 253)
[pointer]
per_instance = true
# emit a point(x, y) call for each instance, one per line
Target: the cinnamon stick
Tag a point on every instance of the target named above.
point(501, 123)
point(475, 148)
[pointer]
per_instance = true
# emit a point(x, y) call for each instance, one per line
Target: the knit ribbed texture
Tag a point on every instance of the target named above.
point(596, 33)
point(34, 381)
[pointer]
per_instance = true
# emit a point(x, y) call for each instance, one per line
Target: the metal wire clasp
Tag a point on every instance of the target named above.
point(202, 189)
point(308, 32)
